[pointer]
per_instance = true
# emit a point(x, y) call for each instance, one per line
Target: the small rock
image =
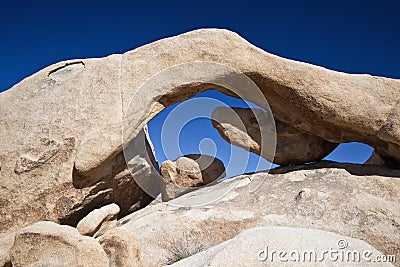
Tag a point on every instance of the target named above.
point(121, 248)
point(99, 220)
point(50, 244)
point(189, 171)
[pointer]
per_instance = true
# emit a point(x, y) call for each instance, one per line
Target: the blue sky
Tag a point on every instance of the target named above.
point(349, 36)
point(186, 128)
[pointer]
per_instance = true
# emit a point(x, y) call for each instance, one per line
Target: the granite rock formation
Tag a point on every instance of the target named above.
point(358, 201)
point(73, 139)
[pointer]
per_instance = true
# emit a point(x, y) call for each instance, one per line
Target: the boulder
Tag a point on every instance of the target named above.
point(121, 247)
point(188, 172)
point(286, 246)
point(62, 152)
point(240, 127)
point(358, 201)
point(50, 244)
point(99, 220)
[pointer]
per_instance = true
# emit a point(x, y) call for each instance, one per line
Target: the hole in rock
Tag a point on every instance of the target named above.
point(68, 71)
point(352, 152)
point(186, 128)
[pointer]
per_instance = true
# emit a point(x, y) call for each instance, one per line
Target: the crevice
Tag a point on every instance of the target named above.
point(65, 65)
point(352, 168)
point(67, 71)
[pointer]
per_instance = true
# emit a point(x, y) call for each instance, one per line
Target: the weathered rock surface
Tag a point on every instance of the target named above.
point(333, 106)
point(50, 244)
point(189, 171)
point(359, 201)
point(61, 152)
point(121, 247)
point(98, 221)
point(293, 146)
point(6, 243)
point(55, 191)
point(254, 247)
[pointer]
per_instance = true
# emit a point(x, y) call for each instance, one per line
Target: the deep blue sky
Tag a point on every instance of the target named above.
point(350, 36)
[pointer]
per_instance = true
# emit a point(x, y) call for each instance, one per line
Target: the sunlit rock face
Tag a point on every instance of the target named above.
point(50, 244)
point(188, 172)
point(61, 137)
point(353, 200)
point(293, 146)
point(258, 247)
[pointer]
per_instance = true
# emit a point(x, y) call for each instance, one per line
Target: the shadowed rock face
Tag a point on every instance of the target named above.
point(377, 159)
point(61, 128)
point(293, 145)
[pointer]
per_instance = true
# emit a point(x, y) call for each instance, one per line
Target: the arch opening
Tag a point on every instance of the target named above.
point(190, 122)
point(351, 152)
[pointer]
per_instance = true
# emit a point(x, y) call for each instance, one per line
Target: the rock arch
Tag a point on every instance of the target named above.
point(84, 113)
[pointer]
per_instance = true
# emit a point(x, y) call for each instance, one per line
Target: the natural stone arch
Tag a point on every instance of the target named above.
point(330, 105)
point(84, 114)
